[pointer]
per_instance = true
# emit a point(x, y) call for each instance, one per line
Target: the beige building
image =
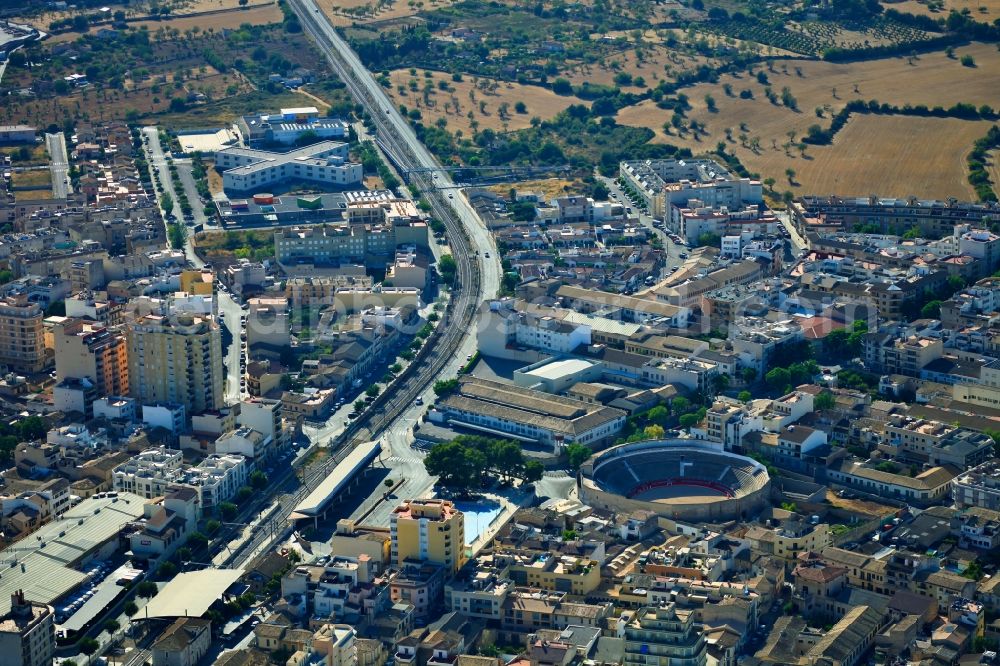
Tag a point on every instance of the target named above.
point(176, 360)
point(87, 349)
point(183, 643)
point(430, 530)
point(27, 633)
point(22, 339)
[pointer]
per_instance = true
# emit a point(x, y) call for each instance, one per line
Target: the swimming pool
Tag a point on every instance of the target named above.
point(478, 517)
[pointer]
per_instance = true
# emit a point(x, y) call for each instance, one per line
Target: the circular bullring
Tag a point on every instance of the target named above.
point(682, 480)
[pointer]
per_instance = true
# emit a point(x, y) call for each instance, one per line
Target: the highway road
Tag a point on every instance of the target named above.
point(59, 164)
point(454, 340)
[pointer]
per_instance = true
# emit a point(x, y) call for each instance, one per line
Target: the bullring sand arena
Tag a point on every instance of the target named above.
point(678, 479)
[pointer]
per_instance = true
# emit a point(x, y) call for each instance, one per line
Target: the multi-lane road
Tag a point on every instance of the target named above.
point(478, 277)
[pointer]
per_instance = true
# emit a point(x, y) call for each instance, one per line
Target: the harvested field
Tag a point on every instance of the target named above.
point(226, 20)
point(455, 104)
point(994, 169)
point(100, 105)
point(346, 12)
point(985, 11)
point(658, 62)
point(223, 20)
point(932, 79)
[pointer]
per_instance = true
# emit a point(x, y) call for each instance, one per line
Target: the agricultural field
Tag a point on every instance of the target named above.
point(757, 131)
point(644, 66)
point(815, 37)
point(346, 12)
point(981, 10)
point(164, 74)
point(484, 99)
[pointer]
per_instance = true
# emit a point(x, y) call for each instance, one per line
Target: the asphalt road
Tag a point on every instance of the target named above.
point(59, 164)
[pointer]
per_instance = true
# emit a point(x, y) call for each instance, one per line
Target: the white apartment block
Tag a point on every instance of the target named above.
point(153, 472)
point(662, 183)
point(324, 163)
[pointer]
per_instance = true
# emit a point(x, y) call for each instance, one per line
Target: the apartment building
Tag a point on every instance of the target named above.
point(664, 636)
point(154, 472)
point(662, 183)
point(27, 633)
point(428, 531)
point(22, 339)
point(334, 244)
point(176, 360)
point(889, 215)
point(576, 575)
point(979, 487)
point(324, 163)
point(87, 349)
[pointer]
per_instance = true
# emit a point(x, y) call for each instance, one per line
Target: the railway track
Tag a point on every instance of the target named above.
point(457, 322)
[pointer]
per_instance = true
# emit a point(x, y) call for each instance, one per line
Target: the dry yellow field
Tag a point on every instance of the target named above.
point(932, 79)
point(549, 188)
point(981, 10)
point(455, 105)
point(345, 12)
point(230, 19)
point(652, 67)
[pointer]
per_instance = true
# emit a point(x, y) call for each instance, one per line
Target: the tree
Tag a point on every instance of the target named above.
point(520, 107)
point(31, 428)
point(576, 455)
point(533, 471)
point(931, 310)
point(455, 464)
point(89, 646)
point(373, 391)
point(689, 420)
point(130, 609)
point(177, 235)
point(710, 104)
point(388, 483)
point(258, 480)
point(824, 400)
point(653, 432)
point(968, 61)
point(444, 387)
point(744, 396)
point(720, 382)
point(243, 494)
point(562, 87)
point(146, 589)
point(111, 626)
point(359, 405)
point(748, 374)
point(228, 510)
point(658, 415)
point(680, 404)
point(212, 525)
point(778, 378)
point(447, 268)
